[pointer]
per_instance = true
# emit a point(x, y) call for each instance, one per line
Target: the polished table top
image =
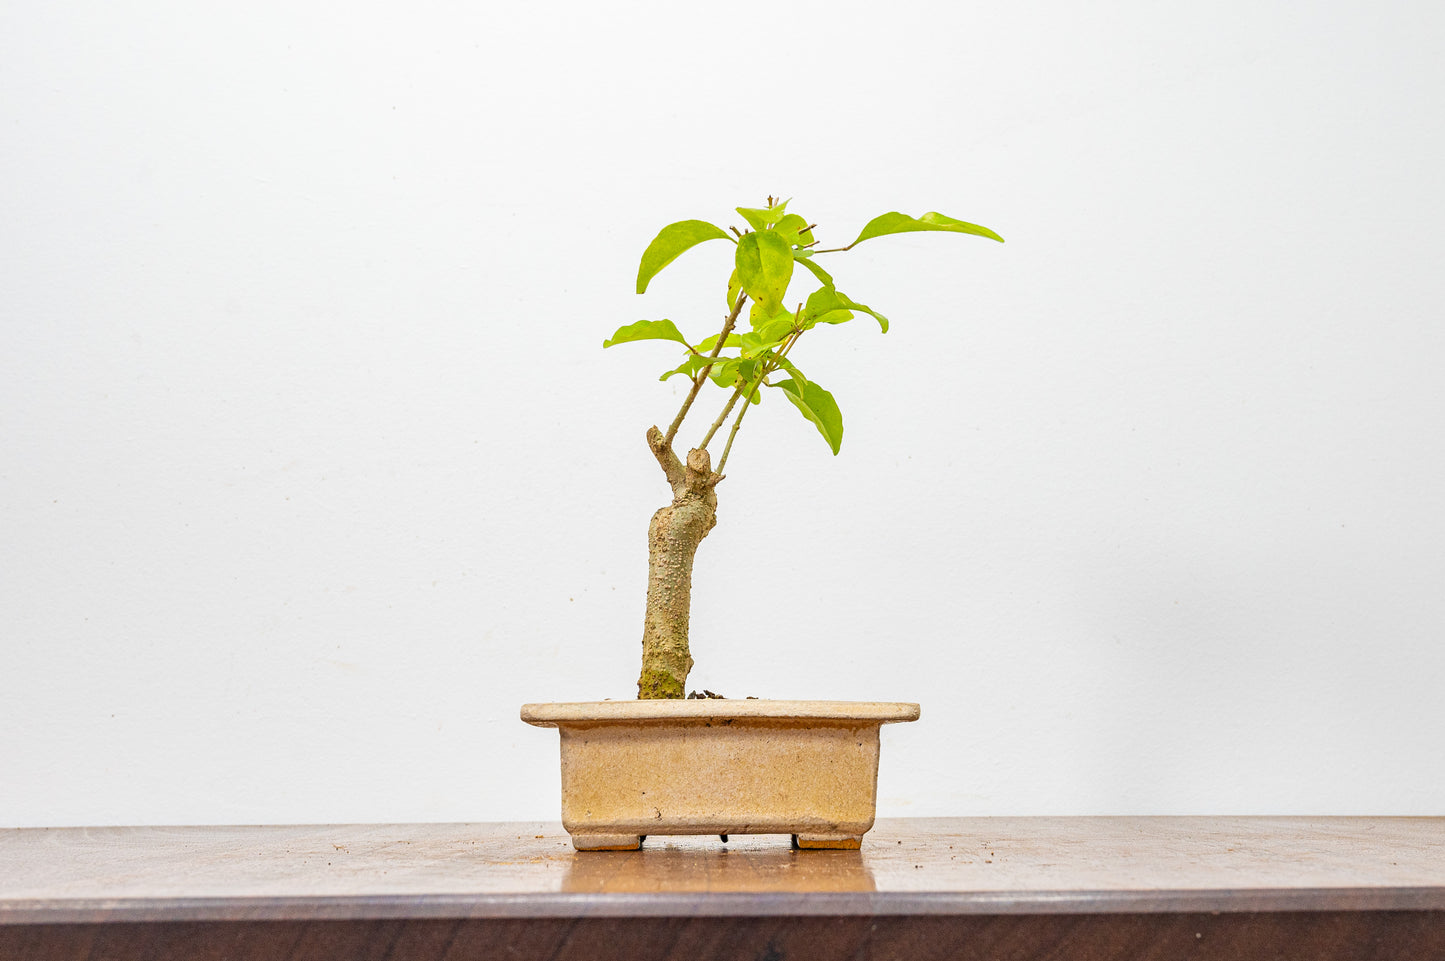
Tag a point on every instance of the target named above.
point(1019, 865)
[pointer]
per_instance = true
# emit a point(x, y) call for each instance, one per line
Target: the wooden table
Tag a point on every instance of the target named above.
point(968, 888)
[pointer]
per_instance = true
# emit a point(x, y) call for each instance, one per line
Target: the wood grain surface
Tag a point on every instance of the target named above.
point(997, 888)
point(1297, 936)
point(914, 866)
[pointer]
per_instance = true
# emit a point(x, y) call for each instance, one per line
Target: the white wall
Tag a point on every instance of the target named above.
point(313, 470)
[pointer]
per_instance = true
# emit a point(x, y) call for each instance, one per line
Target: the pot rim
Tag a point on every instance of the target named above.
point(617, 712)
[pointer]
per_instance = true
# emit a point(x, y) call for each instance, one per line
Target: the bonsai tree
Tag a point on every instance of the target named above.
point(742, 362)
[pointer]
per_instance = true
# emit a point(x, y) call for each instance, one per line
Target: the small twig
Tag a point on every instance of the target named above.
point(727, 328)
point(721, 417)
point(729, 446)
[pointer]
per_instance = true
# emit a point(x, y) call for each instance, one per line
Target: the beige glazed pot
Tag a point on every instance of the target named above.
point(717, 766)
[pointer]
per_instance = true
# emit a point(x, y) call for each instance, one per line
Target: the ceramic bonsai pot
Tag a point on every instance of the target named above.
point(718, 766)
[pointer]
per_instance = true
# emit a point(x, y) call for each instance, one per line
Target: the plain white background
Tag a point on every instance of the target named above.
point(312, 469)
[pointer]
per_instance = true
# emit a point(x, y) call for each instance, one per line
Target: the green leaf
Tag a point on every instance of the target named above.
point(707, 345)
point(735, 287)
point(806, 259)
point(787, 365)
point(769, 330)
point(827, 306)
point(646, 330)
point(735, 372)
point(818, 406)
point(777, 326)
point(896, 223)
point(760, 316)
point(761, 218)
point(690, 367)
point(725, 372)
point(756, 217)
point(854, 305)
point(671, 241)
point(765, 267)
point(754, 343)
point(790, 226)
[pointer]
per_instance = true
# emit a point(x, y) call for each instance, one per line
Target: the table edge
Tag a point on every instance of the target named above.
point(730, 904)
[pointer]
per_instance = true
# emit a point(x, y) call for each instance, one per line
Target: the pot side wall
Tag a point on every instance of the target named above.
point(720, 776)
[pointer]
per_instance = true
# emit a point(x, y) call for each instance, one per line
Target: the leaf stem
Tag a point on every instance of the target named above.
point(727, 328)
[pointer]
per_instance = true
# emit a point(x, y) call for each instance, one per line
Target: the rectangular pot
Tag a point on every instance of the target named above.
point(718, 766)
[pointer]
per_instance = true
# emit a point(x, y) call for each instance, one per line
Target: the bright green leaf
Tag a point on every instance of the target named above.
point(831, 317)
point(690, 367)
point(806, 259)
point(646, 330)
point(786, 365)
point(827, 306)
point(765, 267)
point(896, 223)
point(769, 328)
point(735, 287)
point(761, 218)
point(818, 406)
point(708, 344)
point(671, 241)
point(736, 372)
point(789, 226)
point(725, 372)
point(760, 316)
point(778, 326)
point(731, 373)
point(756, 217)
point(854, 305)
point(754, 343)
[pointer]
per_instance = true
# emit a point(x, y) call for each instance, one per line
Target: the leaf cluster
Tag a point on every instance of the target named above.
point(743, 361)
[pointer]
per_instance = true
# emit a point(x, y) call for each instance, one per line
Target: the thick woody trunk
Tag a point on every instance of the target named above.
point(672, 541)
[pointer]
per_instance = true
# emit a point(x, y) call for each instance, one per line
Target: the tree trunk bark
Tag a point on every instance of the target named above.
point(672, 541)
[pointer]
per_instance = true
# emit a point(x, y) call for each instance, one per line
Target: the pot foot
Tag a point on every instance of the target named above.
point(828, 842)
point(607, 842)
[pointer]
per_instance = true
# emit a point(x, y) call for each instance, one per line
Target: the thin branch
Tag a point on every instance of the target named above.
point(789, 345)
point(727, 328)
point(729, 446)
point(720, 418)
